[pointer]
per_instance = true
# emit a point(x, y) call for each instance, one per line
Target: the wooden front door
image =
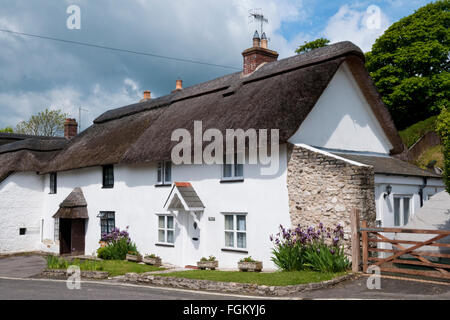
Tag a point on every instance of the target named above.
point(71, 236)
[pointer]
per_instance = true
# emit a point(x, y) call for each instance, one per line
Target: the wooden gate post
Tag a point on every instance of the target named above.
point(356, 248)
point(365, 246)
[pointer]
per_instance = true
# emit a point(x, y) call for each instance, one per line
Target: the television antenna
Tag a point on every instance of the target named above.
point(256, 15)
point(80, 109)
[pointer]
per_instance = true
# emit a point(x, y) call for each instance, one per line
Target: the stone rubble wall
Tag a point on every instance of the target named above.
point(325, 189)
point(229, 287)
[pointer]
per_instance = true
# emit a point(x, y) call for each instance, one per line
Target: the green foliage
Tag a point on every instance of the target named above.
point(152, 256)
point(7, 130)
point(319, 257)
point(289, 257)
point(247, 259)
point(410, 66)
point(413, 133)
point(117, 250)
point(54, 262)
point(443, 128)
point(260, 278)
point(211, 258)
point(311, 45)
point(47, 123)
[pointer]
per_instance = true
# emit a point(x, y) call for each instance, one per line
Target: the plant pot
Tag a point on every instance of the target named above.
point(250, 266)
point(203, 265)
point(133, 257)
point(152, 261)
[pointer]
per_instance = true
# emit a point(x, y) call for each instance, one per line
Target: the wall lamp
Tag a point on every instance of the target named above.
point(388, 191)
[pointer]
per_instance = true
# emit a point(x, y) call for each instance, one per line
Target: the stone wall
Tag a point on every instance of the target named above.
point(324, 188)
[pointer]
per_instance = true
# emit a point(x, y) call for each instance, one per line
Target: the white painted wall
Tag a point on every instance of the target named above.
point(136, 201)
point(21, 205)
point(342, 119)
point(401, 185)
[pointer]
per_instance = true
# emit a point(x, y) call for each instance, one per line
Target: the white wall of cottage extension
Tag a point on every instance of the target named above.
point(401, 186)
point(342, 119)
point(21, 206)
point(136, 202)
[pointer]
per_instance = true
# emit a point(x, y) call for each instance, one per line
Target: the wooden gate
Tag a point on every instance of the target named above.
point(405, 256)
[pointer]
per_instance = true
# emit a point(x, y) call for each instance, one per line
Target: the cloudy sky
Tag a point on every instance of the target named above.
point(37, 73)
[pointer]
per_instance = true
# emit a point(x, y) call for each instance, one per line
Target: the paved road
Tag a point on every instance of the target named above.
point(21, 266)
point(15, 283)
point(27, 289)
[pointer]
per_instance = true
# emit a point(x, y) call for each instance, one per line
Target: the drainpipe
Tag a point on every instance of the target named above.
point(421, 190)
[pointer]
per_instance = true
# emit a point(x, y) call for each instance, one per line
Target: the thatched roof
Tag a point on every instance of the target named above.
point(279, 95)
point(73, 207)
point(6, 138)
point(30, 154)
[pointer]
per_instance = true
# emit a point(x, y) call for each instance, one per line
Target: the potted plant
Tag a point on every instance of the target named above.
point(208, 263)
point(248, 264)
point(152, 259)
point(133, 256)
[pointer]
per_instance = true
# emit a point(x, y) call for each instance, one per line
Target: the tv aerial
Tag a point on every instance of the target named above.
point(256, 15)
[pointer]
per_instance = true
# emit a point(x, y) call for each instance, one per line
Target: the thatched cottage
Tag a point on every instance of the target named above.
point(337, 146)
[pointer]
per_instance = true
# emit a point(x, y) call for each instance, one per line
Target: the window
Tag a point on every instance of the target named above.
point(56, 230)
point(53, 183)
point(233, 171)
point(236, 231)
point(108, 176)
point(165, 172)
point(166, 229)
point(107, 221)
point(402, 210)
point(22, 231)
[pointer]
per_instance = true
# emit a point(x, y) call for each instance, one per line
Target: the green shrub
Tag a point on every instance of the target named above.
point(443, 128)
point(247, 259)
point(118, 244)
point(413, 133)
point(317, 250)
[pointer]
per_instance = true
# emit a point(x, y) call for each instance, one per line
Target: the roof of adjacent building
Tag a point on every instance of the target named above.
point(29, 153)
point(389, 165)
point(278, 95)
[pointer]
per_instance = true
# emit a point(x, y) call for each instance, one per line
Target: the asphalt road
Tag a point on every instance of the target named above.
point(27, 289)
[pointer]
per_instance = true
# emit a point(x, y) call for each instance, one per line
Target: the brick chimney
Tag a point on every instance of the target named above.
point(70, 128)
point(147, 96)
point(258, 54)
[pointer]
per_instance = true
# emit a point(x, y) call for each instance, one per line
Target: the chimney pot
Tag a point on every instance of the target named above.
point(179, 85)
point(258, 54)
point(70, 128)
point(147, 96)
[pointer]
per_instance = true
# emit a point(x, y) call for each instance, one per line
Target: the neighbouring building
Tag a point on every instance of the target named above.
point(337, 152)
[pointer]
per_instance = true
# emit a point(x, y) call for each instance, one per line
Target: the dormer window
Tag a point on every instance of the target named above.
point(53, 183)
point(108, 176)
point(232, 171)
point(165, 173)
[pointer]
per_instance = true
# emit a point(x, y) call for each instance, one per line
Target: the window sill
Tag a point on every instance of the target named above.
point(168, 245)
point(234, 250)
point(108, 187)
point(52, 193)
point(163, 185)
point(232, 180)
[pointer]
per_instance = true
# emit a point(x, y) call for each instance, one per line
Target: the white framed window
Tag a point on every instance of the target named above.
point(235, 230)
point(232, 171)
point(165, 172)
point(166, 229)
point(402, 209)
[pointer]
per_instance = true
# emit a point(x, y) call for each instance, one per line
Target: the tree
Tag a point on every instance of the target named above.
point(410, 64)
point(311, 45)
point(443, 128)
point(7, 130)
point(47, 123)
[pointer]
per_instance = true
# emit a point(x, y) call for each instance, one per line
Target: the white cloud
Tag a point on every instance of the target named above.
point(362, 27)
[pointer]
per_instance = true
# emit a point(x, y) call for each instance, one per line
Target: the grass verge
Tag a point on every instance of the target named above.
point(114, 267)
point(282, 278)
